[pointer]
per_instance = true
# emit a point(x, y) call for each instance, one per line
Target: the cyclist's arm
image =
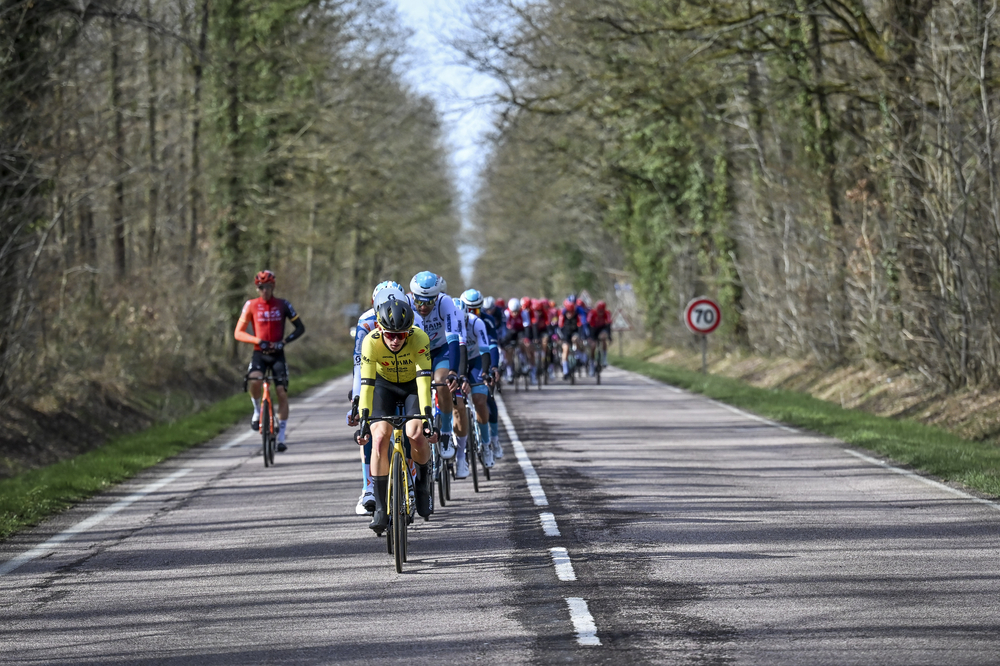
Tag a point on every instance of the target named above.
point(359, 338)
point(367, 379)
point(300, 329)
point(241, 333)
point(425, 372)
point(482, 341)
point(452, 336)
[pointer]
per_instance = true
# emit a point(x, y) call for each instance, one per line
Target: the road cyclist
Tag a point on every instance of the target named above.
point(443, 324)
point(365, 325)
point(478, 377)
point(266, 316)
point(599, 325)
point(396, 371)
point(572, 322)
point(490, 313)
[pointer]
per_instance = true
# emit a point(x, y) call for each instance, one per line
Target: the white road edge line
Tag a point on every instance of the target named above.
point(88, 523)
point(319, 395)
point(239, 440)
point(735, 410)
point(761, 419)
point(549, 525)
point(564, 567)
point(913, 475)
point(654, 382)
point(534, 484)
point(583, 621)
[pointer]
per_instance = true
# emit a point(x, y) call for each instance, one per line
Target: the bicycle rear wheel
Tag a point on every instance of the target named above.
point(265, 432)
point(472, 455)
point(397, 512)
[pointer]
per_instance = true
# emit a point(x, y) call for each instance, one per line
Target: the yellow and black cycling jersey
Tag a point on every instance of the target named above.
point(411, 363)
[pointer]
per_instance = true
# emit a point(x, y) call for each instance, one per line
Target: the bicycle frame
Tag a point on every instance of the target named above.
point(397, 499)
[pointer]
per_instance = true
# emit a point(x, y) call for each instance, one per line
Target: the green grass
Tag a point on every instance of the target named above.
point(926, 449)
point(30, 497)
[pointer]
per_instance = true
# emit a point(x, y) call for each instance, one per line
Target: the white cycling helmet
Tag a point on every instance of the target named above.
point(385, 285)
point(442, 285)
point(424, 285)
point(472, 298)
point(514, 305)
point(386, 293)
point(489, 302)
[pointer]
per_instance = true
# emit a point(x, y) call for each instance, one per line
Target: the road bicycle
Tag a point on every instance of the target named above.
point(268, 424)
point(474, 446)
point(444, 468)
point(522, 367)
point(397, 501)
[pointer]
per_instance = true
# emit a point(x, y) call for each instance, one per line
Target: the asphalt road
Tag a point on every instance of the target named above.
point(639, 524)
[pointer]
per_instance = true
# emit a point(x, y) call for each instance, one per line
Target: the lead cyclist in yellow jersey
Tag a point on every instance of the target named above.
point(396, 371)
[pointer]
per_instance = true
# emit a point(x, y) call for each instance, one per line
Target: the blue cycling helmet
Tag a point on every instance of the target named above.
point(460, 304)
point(386, 285)
point(424, 285)
point(472, 298)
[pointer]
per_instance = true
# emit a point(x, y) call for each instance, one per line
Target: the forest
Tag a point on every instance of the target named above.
point(156, 154)
point(826, 169)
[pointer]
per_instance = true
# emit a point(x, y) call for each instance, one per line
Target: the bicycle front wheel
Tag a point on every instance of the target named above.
point(397, 511)
point(265, 432)
point(472, 455)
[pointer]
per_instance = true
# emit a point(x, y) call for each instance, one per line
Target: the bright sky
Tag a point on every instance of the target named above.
point(458, 91)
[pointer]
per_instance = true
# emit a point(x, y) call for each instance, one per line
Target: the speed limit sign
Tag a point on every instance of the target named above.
point(702, 315)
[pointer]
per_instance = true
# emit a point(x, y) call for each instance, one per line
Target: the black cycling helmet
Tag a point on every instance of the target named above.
point(394, 315)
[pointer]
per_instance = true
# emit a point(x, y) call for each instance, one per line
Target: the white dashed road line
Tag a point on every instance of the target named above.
point(583, 621)
point(534, 485)
point(549, 525)
point(88, 523)
point(564, 567)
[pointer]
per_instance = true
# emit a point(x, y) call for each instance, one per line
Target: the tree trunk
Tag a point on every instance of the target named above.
point(154, 169)
point(118, 143)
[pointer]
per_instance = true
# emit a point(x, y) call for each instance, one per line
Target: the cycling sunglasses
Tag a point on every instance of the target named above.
point(395, 337)
point(422, 301)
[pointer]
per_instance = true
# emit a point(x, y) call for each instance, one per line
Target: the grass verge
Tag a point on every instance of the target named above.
point(925, 449)
point(28, 498)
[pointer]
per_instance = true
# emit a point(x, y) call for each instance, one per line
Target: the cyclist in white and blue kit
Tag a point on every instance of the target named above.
point(483, 354)
point(443, 323)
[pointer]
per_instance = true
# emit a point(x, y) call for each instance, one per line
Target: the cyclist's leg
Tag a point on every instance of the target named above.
point(494, 427)
point(479, 399)
point(280, 372)
point(420, 451)
point(255, 384)
point(461, 438)
point(441, 371)
point(386, 398)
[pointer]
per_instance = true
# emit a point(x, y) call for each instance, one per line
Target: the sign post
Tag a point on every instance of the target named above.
point(620, 324)
point(702, 316)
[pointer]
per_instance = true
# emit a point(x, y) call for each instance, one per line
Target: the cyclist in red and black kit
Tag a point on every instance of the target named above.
point(572, 321)
point(267, 315)
point(540, 329)
point(599, 323)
